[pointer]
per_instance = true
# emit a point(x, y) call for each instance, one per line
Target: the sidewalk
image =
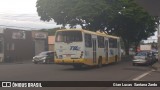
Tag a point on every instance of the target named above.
point(23, 62)
point(18, 62)
point(156, 66)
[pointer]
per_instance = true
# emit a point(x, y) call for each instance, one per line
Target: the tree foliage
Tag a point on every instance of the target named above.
point(123, 18)
point(131, 23)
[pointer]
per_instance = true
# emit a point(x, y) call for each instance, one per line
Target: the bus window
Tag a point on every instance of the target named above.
point(100, 42)
point(69, 36)
point(88, 41)
point(113, 43)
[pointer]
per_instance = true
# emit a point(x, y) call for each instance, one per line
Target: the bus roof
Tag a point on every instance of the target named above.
point(90, 32)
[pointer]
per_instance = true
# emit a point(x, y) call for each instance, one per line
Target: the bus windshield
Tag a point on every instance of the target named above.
point(69, 36)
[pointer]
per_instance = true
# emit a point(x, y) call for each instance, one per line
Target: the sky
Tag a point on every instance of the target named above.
point(22, 14)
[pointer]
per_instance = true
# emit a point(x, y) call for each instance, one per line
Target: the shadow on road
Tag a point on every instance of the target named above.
point(124, 59)
point(85, 68)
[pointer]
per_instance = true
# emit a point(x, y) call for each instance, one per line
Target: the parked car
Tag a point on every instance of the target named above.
point(44, 57)
point(144, 58)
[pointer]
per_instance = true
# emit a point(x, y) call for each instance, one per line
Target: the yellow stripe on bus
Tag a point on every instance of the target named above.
point(87, 61)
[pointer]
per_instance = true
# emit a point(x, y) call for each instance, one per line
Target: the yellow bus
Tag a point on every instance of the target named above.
point(82, 47)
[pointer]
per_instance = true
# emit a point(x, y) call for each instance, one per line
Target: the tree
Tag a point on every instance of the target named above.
point(123, 18)
point(71, 12)
point(136, 26)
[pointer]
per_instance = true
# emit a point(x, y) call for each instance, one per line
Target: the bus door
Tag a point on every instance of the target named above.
point(106, 51)
point(94, 43)
point(119, 50)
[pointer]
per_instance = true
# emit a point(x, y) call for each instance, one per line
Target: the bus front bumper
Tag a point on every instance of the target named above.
point(69, 61)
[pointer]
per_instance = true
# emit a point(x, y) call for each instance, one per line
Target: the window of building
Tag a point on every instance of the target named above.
point(88, 41)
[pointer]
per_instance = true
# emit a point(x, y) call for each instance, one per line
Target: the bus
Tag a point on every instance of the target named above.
point(82, 47)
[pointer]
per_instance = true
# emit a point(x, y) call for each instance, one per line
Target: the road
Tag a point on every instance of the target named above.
point(122, 71)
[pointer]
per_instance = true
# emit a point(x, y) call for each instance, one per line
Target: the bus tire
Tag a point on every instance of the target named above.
point(116, 59)
point(100, 62)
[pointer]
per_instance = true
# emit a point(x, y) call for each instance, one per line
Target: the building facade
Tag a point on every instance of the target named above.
point(40, 41)
point(18, 45)
point(51, 41)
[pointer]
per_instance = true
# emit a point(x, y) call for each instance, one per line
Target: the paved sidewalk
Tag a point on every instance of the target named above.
point(156, 66)
point(18, 62)
point(24, 61)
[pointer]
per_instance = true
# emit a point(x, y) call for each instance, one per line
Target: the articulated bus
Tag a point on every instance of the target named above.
point(83, 47)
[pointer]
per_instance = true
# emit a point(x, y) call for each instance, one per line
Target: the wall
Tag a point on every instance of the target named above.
point(40, 41)
point(51, 41)
point(18, 45)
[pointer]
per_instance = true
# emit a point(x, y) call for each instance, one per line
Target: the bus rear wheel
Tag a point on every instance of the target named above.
point(99, 63)
point(116, 59)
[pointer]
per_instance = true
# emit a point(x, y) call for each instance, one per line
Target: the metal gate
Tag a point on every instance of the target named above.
point(39, 46)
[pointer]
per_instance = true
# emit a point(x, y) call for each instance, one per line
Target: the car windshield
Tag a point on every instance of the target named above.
point(141, 54)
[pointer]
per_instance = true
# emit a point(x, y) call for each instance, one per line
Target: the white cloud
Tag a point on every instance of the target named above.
point(27, 21)
point(18, 6)
point(22, 13)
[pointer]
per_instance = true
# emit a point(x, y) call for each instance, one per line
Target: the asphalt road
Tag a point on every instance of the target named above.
point(122, 71)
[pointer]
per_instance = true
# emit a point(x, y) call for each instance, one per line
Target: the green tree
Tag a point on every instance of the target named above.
point(71, 12)
point(131, 23)
point(123, 18)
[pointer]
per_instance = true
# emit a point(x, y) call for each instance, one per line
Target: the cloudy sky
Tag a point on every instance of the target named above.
point(21, 14)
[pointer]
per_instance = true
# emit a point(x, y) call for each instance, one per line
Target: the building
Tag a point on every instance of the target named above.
point(18, 45)
point(40, 41)
point(51, 41)
point(1, 45)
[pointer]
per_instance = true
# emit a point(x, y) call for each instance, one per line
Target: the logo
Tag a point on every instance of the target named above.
point(6, 84)
point(40, 35)
point(19, 35)
point(74, 48)
point(21, 84)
